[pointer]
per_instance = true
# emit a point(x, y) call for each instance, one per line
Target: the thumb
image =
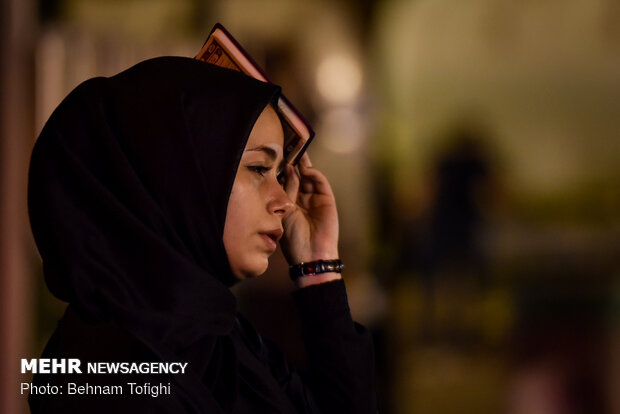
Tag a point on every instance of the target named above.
point(291, 186)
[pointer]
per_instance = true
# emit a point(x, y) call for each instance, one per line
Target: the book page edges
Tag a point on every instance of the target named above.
point(248, 67)
point(298, 125)
point(243, 62)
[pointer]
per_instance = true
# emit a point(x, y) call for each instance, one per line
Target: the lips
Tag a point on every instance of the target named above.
point(271, 237)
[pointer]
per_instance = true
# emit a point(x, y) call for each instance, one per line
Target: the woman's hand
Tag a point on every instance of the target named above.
point(311, 229)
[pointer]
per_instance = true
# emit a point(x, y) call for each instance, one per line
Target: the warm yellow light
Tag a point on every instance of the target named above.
point(342, 130)
point(339, 78)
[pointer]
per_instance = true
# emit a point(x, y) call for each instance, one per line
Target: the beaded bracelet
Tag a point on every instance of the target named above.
point(314, 268)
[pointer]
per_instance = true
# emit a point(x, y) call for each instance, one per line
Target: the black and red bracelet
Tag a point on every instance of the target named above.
point(315, 268)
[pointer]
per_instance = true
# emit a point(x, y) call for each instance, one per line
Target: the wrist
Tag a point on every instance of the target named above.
point(314, 272)
point(331, 254)
point(306, 281)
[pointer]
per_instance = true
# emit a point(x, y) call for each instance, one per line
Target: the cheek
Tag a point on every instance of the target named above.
point(235, 227)
point(242, 223)
point(242, 206)
point(247, 199)
point(233, 235)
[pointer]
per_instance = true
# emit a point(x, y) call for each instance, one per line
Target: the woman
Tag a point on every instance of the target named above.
point(150, 194)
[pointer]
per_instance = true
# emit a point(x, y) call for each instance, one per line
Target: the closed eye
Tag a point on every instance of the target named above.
point(258, 169)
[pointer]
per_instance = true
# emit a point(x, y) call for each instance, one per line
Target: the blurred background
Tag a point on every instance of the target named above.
point(473, 147)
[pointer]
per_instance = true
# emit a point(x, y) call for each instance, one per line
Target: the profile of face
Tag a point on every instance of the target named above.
point(257, 202)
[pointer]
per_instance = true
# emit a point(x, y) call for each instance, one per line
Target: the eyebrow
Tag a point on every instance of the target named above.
point(271, 153)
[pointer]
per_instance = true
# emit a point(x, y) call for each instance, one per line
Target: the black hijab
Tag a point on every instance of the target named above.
point(128, 189)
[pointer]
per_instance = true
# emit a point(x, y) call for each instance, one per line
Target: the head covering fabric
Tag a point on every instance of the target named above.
point(128, 189)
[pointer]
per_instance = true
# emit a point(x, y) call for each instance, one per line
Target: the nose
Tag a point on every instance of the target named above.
point(280, 204)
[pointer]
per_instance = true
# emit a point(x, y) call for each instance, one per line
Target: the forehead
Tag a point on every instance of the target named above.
point(267, 130)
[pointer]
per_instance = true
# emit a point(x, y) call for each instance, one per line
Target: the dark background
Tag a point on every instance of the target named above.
point(473, 148)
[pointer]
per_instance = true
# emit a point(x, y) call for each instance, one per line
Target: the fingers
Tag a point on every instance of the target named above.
point(292, 183)
point(305, 170)
point(304, 161)
point(312, 180)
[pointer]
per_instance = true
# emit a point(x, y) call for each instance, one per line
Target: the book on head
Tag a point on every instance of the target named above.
point(223, 50)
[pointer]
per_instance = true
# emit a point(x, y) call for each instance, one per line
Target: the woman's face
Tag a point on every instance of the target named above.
point(257, 202)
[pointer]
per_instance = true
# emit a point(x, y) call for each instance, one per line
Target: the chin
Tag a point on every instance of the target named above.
point(252, 270)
